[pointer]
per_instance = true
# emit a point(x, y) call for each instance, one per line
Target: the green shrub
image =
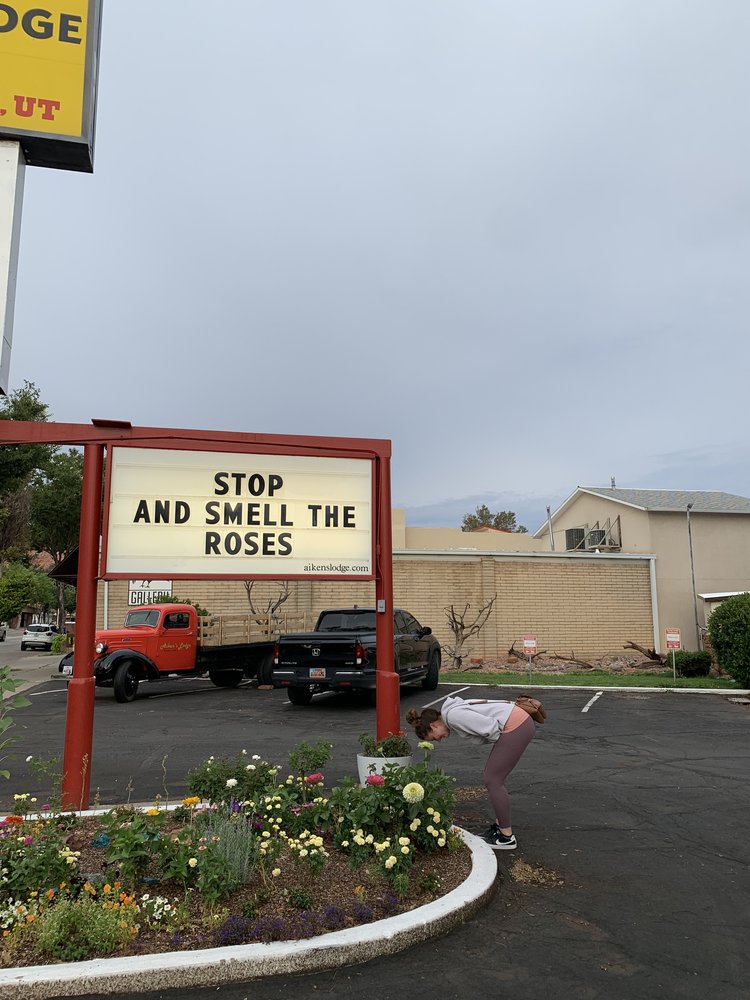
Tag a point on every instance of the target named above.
point(300, 897)
point(729, 632)
point(395, 745)
point(691, 662)
point(304, 758)
point(59, 643)
point(222, 781)
point(75, 929)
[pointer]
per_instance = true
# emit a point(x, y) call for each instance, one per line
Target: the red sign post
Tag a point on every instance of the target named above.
point(104, 434)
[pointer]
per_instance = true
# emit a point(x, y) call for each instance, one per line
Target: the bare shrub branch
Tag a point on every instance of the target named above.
point(463, 629)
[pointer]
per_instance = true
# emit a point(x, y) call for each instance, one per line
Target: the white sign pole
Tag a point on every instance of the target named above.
point(12, 166)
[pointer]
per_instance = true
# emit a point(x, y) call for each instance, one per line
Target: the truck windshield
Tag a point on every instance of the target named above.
point(352, 621)
point(142, 618)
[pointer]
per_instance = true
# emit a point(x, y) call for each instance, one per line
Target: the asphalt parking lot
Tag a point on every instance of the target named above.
point(632, 811)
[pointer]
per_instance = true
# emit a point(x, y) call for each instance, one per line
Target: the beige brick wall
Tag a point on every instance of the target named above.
point(587, 604)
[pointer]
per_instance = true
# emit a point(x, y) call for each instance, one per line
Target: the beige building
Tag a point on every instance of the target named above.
point(699, 541)
point(583, 603)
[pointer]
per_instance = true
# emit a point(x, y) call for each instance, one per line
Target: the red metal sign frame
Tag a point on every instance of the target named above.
point(101, 434)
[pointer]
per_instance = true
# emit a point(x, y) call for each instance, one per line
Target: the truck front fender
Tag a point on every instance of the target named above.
point(106, 666)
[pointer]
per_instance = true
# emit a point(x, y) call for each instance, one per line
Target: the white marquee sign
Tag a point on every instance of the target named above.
point(195, 513)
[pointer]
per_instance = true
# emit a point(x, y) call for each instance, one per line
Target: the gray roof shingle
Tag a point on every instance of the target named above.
point(703, 501)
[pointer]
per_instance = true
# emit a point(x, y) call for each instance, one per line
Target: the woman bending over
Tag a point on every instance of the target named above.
point(502, 724)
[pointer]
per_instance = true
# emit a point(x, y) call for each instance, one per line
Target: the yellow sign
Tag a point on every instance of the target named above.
point(48, 57)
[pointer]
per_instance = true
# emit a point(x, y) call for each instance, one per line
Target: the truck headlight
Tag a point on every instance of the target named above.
point(101, 647)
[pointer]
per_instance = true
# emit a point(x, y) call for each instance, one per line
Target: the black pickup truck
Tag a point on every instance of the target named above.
point(339, 655)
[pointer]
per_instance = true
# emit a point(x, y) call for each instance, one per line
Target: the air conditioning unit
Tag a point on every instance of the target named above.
point(596, 538)
point(574, 538)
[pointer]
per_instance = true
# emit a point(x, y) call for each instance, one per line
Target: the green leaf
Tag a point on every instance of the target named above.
point(5, 774)
point(19, 701)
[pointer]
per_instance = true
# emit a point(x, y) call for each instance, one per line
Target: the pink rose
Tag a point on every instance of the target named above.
point(376, 779)
point(314, 779)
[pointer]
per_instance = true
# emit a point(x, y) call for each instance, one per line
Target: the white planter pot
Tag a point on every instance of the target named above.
point(375, 765)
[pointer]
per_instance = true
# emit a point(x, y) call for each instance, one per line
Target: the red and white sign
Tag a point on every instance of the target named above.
point(529, 645)
point(672, 638)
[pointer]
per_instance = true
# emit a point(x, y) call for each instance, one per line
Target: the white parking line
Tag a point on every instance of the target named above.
point(588, 704)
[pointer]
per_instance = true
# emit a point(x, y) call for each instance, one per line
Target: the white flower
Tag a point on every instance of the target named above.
point(256, 756)
point(390, 862)
point(250, 767)
point(404, 841)
point(441, 842)
point(193, 862)
point(231, 782)
point(425, 745)
point(413, 792)
point(276, 872)
point(30, 757)
point(404, 850)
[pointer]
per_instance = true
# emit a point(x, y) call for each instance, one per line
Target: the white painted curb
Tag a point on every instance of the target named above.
point(217, 966)
point(598, 687)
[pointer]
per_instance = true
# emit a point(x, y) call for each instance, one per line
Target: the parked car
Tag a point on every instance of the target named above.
point(38, 637)
point(339, 655)
point(3, 631)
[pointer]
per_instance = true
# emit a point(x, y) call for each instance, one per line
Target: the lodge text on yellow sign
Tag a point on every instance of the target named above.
point(48, 57)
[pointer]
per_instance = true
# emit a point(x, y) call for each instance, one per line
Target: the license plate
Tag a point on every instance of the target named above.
point(67, 670)
point(317, 672)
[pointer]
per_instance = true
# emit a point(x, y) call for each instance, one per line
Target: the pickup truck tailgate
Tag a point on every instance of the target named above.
point(317, 658)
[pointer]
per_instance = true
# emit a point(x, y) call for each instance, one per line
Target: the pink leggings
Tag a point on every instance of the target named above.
point(505, 754)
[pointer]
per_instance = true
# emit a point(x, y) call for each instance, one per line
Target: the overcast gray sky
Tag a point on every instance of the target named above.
point(513, 237)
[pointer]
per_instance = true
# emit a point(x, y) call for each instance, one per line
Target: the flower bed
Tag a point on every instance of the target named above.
point(251, 856)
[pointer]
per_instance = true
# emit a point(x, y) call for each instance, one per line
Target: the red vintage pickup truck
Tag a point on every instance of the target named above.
point(160, 641)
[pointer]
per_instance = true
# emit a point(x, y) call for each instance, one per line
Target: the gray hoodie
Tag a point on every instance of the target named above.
point(478, 721)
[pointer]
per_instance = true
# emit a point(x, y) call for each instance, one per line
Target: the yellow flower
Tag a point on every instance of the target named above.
point(276, 872)
point(152, 811)
point(193, 862)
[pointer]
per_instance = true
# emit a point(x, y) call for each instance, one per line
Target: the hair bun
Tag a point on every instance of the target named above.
point(413, 716)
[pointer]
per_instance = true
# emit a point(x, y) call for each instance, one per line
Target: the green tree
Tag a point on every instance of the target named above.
point(56, 511)
point(21, 588)
point(505, 520)
point(729, 632)
point(18, 465)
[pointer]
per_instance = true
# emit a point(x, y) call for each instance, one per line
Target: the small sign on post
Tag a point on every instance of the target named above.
point(673, 641)
point(529, 648)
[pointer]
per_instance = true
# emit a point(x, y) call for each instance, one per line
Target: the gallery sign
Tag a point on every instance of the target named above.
point(49, 56)
point(190, 514)
point(148, 592)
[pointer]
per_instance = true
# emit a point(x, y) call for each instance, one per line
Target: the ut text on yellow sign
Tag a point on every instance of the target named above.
point(48, 61)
